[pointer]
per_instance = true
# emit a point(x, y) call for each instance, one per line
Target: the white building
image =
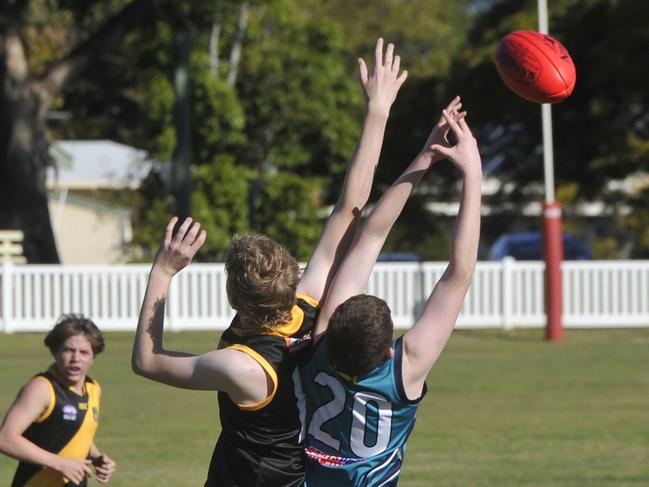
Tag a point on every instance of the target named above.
point(90, 228)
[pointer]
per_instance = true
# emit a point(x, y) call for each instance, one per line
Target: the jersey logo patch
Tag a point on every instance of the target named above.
point(95, 413)
point(69, 412)
point(329, 460)
point(295, 344)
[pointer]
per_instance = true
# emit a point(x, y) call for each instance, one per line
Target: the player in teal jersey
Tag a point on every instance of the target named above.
point(361, 388)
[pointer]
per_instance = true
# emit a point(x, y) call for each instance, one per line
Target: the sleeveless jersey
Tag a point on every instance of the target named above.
point(259, 443)
point(356, 431)
point(66, 428)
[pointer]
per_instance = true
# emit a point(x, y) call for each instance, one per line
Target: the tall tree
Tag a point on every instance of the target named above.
point(286, 124)
point(27, 94)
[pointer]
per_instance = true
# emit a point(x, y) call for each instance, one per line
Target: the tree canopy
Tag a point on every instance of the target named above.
point(275, 108)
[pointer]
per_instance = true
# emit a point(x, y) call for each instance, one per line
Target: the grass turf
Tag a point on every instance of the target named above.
point(502, 409)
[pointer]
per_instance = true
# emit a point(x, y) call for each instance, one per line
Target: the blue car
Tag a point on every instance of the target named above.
point(529, 246)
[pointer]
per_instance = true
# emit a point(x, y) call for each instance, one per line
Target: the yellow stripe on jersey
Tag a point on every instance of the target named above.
point(284, 330)
point(269, 370)
point(290, 328)
point(50, 408)
point(79, 445)
point(312, 301)
point(46, 477)
point(287, 330)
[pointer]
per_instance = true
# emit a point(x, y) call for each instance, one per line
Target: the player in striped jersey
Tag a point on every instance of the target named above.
point(50, 427)
point(361, 387)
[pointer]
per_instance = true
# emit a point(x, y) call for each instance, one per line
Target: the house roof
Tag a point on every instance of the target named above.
point(97, 164)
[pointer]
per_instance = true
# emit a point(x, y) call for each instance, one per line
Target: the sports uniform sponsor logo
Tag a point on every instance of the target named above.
point(298, 343)
point(95, 413)
point(329, 460)
point(69, 412)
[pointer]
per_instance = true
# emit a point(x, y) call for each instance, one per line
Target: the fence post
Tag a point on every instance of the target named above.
point(508, 295)
point(7, 309)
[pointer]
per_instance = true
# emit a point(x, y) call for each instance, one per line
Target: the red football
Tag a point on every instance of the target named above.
point(535, 66)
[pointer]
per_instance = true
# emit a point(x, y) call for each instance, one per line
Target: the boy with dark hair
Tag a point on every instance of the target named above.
point(51, 425)
point(362, 388)
point(254, 364)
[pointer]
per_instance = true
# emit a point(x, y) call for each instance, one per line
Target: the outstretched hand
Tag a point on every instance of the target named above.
point(177, 251)
point(439, 135)
point(464, 154)
point(382, 85)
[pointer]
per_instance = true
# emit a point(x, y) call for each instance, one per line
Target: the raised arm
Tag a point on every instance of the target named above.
point(381, 88)
point(357, 265)
point(229, 371)
point(424, 342)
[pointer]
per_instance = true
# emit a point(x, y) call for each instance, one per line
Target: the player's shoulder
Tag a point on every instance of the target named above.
point(92, 384)
point(38, 387)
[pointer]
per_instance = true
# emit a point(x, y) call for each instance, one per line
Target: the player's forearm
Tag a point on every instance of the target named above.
point(336, 237)
point(466, 235)
point(354, 273)
point(359, 177)
point(148, 337)
point(20, 448)
point(149, 358)
point(390, 205)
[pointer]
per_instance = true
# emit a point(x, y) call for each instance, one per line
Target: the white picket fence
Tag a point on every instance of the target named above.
point(504, 294)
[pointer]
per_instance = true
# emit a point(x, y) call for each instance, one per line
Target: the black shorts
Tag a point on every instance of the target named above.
point(232, 466)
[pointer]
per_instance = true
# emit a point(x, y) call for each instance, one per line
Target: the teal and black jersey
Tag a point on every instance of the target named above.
point(259, 443)
point(66, 428)
point(356, 431)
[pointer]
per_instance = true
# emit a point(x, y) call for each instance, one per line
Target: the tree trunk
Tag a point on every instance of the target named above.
point(214, 47)
point(24, 102)
point(23, 155)
point(237, 44)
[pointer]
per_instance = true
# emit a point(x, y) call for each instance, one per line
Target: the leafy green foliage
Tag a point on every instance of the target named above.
point(296, 106)
point(303, 108)
point(287, 211)
point(218, 114)
point(220, 202)
point(427, 33)
point(427, 237)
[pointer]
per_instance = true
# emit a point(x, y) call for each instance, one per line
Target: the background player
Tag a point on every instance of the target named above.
point(361, 387)
point(51, 425)
point(253, 367)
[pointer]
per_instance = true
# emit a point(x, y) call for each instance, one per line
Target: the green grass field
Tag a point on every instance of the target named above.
point(503, 409)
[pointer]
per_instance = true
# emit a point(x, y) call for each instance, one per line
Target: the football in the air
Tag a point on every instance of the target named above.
point(535, 66)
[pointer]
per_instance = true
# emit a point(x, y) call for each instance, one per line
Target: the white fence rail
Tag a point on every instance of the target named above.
point(504, 294)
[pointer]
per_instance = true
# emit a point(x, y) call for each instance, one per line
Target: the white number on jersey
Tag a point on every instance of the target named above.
point(357, 434)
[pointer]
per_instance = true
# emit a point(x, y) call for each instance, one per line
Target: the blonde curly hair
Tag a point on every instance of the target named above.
point(262, 277)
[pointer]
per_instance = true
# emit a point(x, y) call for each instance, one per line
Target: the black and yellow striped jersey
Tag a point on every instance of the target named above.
point(67, 427)
point(259, 444)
